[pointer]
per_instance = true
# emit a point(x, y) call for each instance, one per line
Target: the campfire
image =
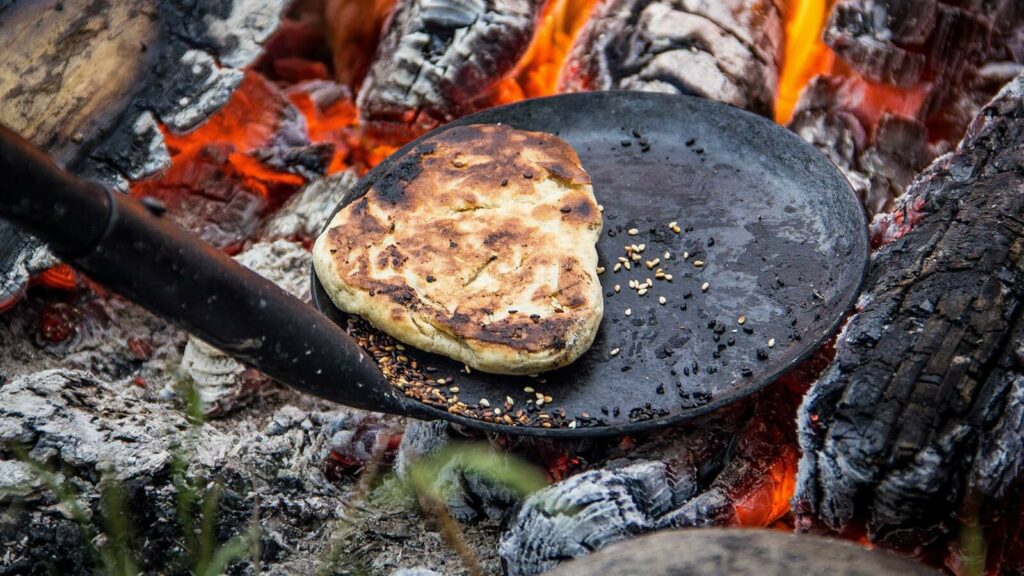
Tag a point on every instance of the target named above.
point(246, 123)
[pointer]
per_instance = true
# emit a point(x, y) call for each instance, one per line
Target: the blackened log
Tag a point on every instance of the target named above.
point(90, 82)
point(440, 59)
point(920, 412)
point(726, 51)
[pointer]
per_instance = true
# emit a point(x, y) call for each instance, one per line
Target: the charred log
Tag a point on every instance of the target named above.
point(90, 83)
point(726, 471)
point(439, 59)
point(726, 51)
point(920, 413)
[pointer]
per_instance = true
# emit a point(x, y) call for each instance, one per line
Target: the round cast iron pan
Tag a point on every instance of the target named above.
point(783, 238)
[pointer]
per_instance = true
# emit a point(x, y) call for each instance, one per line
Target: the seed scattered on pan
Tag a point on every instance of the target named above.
point(617, 288)
point(741, 320)
point(686, 255)
point(652, 263)
point(614, 352)
point(485, 403)
point(641, 248)
point(668, 277)
point(641, 291)
point(629, 312)
point(617, 267)
point(600, 207)
point(635, 256)
point(497, 411)
point(659, 274)
point(704, 287)
point(633, 284)
point(468, 369)
point(441, 380)
point(666, 255)
point(528, 390)
point(771, 342)
point(698, 263)
point(600, 269)
point(454, 389)
point(632, 232)
point(509, 401)
point(548, 399)
point(627, 266)
point(662, 300)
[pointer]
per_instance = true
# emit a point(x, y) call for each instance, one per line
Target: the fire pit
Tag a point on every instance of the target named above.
point(246, 123)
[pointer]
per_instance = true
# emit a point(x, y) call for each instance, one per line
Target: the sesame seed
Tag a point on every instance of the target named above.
point(497, 411)
point(617, 267)
point(600, 207)
point(528, 390)
point(659, 274)
point(632, 232)
point(686, 255)
point(548, 399)
point(704, 287)
point(485, 403)
point(633, 284)
point(572, 425)
point(617, 288)
point(540, 402)
point(662, 300)
point(623, 259)
point(629, 311)
point(614, 352)
point(673, 224)
point(698, 263)
point(600, 269)
point(440, 381)
point(454, 389)
point(627, 266)
point(641, 247)
point(668, 277)
point(666, 255)
point(641, 291)
point(635, 256)
point(741, 320)
point(509, 400)
point(677, 229)
point(771, 342)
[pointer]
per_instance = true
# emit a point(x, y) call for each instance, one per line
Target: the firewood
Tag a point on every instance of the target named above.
point(921, 410)
point(440, 59)
point(727, 51)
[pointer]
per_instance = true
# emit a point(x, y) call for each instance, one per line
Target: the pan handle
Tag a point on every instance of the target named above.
point(149, 260)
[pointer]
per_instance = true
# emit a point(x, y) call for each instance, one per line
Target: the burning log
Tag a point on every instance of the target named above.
point(440, 59)
point(91, 84)
point(920, 414)
point(727, 51)
point(923, 68)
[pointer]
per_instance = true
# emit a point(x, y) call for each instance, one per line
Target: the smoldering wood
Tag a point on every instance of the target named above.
point(738, 552)
point(726, 51)
point(920, 413)
point(89, 82)
point(439, 59)
point(683, 477)
point(880, 166)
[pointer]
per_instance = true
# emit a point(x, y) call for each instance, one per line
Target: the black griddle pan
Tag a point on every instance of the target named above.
point(782, 237)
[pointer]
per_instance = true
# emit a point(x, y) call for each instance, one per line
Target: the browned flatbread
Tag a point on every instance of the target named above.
point(479, 245)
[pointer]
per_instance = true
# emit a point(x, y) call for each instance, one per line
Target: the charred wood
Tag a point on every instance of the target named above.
point(439, 59)
point(721, 472)
point(90, 82)
point(726, 51)
point(920, 413)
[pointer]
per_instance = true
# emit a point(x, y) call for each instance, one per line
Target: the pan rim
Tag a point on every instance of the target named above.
point(862, 246)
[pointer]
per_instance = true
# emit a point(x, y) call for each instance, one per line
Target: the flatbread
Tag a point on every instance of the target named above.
point(480, 245)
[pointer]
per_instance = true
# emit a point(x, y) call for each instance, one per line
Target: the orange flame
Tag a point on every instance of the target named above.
point(769, 501)
point(805, 56)
point(538, 70)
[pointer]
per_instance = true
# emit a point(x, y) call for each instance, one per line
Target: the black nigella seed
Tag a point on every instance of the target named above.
point(637, 133)
point(611, 233)
point(731, 341)
point(711, 324)
point(535, 318)
point(711, 241)
point(627, 368)
point(748, 330)
point(626, 143)
point(616, 411)
point(643, 141)
point(430, 278)
point(691, 141)
point(762, 354)
point(716, 355)
point(716, 337)
point(504, 181)
point(565, 209)
point(604, 410)
point(747, 372)
point(660, 389)
point(528, 175)
point(686, 370)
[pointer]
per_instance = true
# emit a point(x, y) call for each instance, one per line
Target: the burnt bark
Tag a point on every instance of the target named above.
point(726, 51)
point(920, 414)
point(439, 59)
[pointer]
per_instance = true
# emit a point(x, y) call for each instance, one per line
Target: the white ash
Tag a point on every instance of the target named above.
point(91, 427)
point(415, 572)
point(307, 213)
point(239, 37)
point(220, 379)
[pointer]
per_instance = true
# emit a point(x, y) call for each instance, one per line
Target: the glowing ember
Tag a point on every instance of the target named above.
point(61, 276)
